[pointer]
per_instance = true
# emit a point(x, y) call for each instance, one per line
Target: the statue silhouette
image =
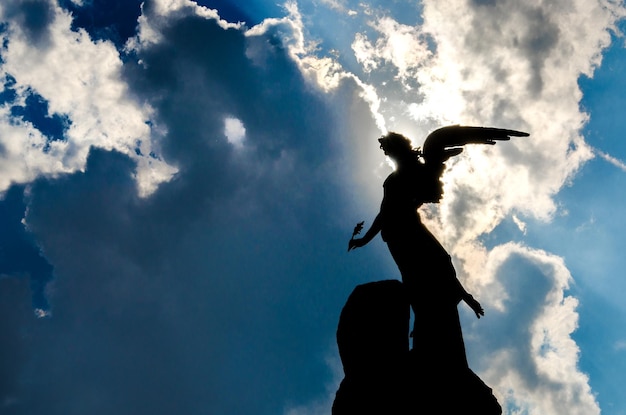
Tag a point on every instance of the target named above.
point(373, 341)
point(428, 277)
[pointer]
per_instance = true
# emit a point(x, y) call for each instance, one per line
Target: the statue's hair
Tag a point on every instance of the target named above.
point(401, 145)
point(398, 143)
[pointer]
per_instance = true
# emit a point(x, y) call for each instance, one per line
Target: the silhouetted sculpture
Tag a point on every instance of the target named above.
point(373, 342)
point(428, 277)
point(382, 377)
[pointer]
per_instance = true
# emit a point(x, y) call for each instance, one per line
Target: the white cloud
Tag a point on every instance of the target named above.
point(520, 223)
point(235, 131)
point(80, 79)
point(339, 6)
point(403, 46)
point(162, 11)
point(40, 313)
point(613, 160)
point(535, 365)
point(290, 29)
point(22, 157)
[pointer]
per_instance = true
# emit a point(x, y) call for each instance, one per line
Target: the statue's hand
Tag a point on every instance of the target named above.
point(355, 243)
point(474, 305)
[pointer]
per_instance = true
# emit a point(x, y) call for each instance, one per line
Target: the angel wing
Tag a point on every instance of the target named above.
point(446, 142)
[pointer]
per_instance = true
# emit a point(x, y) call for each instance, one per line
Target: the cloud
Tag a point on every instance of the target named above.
point(33, 17)
point(16, 327)
point(20, 254)
point(80, 80)
point(405, 47)
point(533, 362)
point(514, 68)
point(500, 69)
point(337, 5)
point(614, 161)
point(235, 131)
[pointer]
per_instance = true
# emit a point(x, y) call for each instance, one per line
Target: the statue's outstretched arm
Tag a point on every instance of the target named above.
point(474, 305)
point(369, 235)
point(469, 299)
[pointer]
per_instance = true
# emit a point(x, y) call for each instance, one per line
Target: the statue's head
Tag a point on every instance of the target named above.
point(397, 146)
point(429, 188)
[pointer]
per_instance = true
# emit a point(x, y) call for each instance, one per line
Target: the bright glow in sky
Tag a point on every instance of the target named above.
point(180, 179)
point(234, 131)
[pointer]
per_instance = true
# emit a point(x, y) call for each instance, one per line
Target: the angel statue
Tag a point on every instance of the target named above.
point(426, 268)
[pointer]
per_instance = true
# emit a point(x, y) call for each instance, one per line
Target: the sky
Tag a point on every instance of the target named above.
point(179, 180)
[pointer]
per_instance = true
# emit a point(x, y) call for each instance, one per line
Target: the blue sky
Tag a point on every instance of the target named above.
point(179, 181)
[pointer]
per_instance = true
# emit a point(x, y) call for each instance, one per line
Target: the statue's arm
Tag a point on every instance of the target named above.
point(472, 303)
point(462, 294)
point(369, 235)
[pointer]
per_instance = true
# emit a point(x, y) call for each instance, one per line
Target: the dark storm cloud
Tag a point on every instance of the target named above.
point(16, 325)
point(219, 80)
point(170, 304)
point(19, 254)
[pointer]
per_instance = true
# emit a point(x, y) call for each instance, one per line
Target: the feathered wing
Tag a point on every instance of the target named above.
point(446, 142)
